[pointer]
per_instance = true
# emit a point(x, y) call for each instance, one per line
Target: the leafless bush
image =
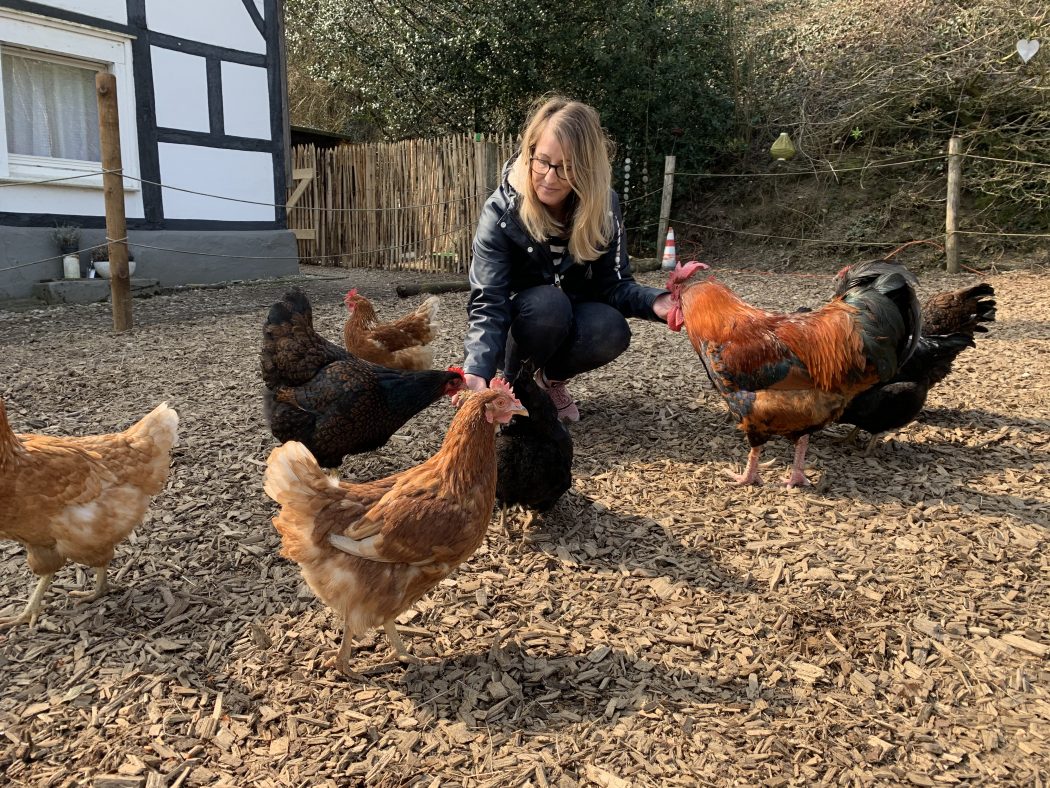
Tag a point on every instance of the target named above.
point(860, 80)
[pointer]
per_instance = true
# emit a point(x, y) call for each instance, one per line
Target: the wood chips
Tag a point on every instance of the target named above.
point(889, 626)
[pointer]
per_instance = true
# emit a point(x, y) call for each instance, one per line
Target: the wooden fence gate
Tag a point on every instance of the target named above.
point(412, 204)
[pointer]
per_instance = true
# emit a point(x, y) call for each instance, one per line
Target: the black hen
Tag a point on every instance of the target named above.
point(534, 453)
point(327, 398)
point(894, 404)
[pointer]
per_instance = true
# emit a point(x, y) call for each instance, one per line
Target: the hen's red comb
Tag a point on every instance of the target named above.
point(499, 384)
point(458, 371)
point(350, 296)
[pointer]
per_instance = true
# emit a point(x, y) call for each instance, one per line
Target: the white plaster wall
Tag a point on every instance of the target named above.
point(245, 175)
point(68, 200)
point(220, 22)
point(180, 82)
point(113, 10)
point(262, 11)
point(245, 101)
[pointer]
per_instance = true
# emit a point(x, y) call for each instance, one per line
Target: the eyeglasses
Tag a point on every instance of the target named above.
point(542, 167)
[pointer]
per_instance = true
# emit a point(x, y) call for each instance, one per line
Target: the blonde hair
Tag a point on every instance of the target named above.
point(578, 129)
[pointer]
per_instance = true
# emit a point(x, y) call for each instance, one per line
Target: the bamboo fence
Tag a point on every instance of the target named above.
point(403, 205)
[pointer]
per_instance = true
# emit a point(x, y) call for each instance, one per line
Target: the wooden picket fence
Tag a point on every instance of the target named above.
point(403, 205)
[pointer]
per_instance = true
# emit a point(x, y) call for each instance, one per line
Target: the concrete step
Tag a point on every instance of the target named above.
point(88, 291)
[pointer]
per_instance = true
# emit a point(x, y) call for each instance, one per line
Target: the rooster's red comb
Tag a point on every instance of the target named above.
point(682, 271)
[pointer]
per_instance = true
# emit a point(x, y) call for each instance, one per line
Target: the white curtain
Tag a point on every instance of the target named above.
point(50, 109)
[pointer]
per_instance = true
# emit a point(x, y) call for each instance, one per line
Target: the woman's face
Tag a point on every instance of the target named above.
point(550, 189)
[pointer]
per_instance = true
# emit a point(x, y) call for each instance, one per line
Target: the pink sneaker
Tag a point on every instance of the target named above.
point(560, 396)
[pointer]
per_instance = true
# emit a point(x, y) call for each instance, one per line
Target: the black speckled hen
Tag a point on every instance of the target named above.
point(326, 398)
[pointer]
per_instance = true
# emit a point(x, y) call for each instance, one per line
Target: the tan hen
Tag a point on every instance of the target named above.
point(371, 550)
point(75, 499)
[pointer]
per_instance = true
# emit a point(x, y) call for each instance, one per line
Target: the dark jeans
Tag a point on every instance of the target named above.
point(561, 337)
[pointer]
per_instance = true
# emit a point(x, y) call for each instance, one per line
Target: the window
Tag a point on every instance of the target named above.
point(50, 107)
point(49, 124)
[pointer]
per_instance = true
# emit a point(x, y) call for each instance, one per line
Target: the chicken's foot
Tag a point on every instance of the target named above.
point(750, 474)
point(101, 586)
point(529, 517)
point(399, 645)
point(32, 608)
point(849, 438)
point(871, 445)
point(341, 660)
point(503, 521)
point(797, 477)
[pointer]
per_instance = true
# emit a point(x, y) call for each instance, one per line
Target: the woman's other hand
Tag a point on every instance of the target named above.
point(475, 382)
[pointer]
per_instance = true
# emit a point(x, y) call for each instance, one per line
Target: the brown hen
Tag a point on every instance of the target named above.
point(74, 499)
point(401, 344)
point(959, 311)
point(370, 550)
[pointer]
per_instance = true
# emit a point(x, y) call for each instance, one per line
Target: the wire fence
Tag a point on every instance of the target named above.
point(407, 243)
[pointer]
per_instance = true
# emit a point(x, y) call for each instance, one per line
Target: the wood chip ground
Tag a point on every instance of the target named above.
point(889, 626)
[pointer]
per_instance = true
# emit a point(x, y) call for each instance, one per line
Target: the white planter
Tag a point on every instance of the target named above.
point(102, 267)
point(71, 266)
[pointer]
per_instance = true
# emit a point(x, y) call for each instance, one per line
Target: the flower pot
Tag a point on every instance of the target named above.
point(102, 268)
point(71, 266)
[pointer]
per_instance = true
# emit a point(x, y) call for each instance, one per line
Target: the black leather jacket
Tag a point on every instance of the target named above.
point(507, 260)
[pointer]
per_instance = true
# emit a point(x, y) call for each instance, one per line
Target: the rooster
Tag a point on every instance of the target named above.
point(370, 550)
point(75, 499)
point(892, 405)
point(534, 453)
point(330, 400)
point(792, 374)
point(402, 344)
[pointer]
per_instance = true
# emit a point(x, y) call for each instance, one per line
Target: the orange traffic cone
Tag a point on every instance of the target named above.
point(670, 257)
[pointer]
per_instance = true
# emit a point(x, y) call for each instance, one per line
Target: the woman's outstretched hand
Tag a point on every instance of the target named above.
point(475, 382)
point(661, 308)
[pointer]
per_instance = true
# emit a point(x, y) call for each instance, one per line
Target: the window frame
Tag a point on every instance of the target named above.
point(44, 38)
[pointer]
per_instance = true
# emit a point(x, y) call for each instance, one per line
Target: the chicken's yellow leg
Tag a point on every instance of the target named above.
point(32, 609)
point(341, 661)
point(399, 645)
point(101, 586)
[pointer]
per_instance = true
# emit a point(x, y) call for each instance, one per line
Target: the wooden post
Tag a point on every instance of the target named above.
point(665, 205)
point(113, 191)
point(493, 167)
point(951, 217)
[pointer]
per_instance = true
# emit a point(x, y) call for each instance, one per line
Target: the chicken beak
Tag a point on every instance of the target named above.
point(520, 410)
